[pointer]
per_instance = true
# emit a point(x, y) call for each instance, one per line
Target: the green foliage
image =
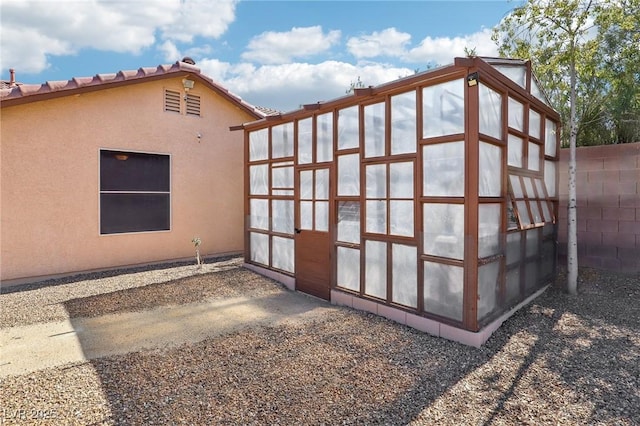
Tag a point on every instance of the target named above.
point(600, 40)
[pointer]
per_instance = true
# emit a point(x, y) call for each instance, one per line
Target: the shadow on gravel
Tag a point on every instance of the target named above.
point(109, 273)
point(558, 360)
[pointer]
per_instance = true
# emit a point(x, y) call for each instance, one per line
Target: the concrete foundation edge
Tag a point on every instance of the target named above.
point(426, 325)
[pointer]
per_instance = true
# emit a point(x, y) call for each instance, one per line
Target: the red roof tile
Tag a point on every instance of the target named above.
point(25, 93)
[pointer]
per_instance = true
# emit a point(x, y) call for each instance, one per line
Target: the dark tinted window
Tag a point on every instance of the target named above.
point(133, 171)
point(134, 192)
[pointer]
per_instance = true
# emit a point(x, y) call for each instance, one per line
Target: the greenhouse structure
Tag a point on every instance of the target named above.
point(430, 200)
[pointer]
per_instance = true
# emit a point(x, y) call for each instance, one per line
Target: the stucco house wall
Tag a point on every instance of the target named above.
point(50, 170)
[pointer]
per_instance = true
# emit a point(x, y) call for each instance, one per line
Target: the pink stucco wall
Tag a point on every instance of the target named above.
point(608, 206)
point(50, 173)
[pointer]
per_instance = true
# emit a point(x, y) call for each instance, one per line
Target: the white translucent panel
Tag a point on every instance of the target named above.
point(515, 151)
point(534, 124)
point(531, 275)
point(349, 268)
point(374, 130)
point(349, 222)
point(349, 174)
point(404, 275)
point(443, 285)
point(528, 185)
point(488, 288)
point(259, 145)
point(306, 185)
point(444, 230)
point(550, 138)
point(513, 285)
point(533, 242)
point(324, 137)
point(376, 217)
point(401, 180)
point(282, 216)
point(403, 123)
point(288, 192)
point(545, 211)
point(489, 220)
point(516, 73)
point(259, 179)
point(375, 274)
point(523, 213)
point(512, 220)
point(443, 109)
point(306, 215)
point(322, 184)
point(259, 214)
point(537, 92)
point(513, 247)
point(401, 218)
point(550, 176)
point(305, 141)
point(282, 140)
point(283, 253)
point(516, 186)
point(490, 109)
point(443, 169)
point(540, 188)
point(536, 216)
point(376, 183)
point(259, 251)
point(490, 173)
point(282, 177)
point(534, 156)
point(516, 115)
point(348, 128)
point(322, 216)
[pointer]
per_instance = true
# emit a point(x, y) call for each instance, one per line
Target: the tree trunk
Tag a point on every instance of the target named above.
point(572, 229)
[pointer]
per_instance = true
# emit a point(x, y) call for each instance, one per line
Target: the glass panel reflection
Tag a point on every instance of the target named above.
point(348, 128)
point(404, 275)
point(259, 145)
point(403, 123)
point(443, 109)
point(443, 285)
point(349, 221)
point(490, 173)
point(374, 130)
point(375, 275)
point(349, 174)
point(305, 145)
point(444, 230)
point(349, 268)
point(490, 109)
point(443, 169)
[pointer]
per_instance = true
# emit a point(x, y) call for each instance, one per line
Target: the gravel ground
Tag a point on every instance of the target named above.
point(560, 360)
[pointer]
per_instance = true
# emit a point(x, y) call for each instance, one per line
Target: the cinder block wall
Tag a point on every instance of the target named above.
point(608, 191)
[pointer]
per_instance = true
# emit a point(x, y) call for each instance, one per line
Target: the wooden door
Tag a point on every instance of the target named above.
point(313, 244)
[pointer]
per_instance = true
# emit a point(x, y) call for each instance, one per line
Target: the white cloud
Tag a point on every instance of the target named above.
point(281, 47)
point(286, 87)
point(442, 50)
point(389, 42)
point(34, 30)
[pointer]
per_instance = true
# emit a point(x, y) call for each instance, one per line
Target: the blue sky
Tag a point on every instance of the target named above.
point(279, 54)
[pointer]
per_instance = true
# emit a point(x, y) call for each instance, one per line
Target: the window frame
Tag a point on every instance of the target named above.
point(128, 192)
